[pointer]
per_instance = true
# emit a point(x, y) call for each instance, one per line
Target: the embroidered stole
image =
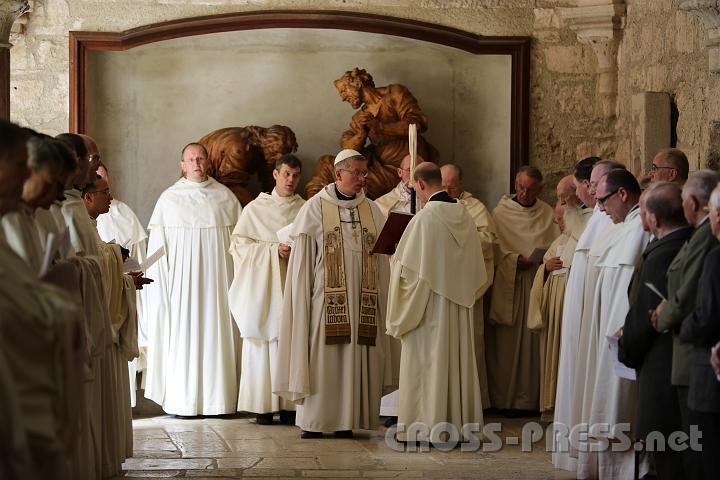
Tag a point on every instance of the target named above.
point(337, 316)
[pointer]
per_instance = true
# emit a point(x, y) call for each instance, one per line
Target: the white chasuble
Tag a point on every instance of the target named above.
point(512, 351)
point(436, 273)
point(256, 295)
point(570, 333)
point(608, 398)
point(193, 353)
point(335, 385)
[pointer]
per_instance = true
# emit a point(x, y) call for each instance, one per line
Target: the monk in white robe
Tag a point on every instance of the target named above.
point(41, 346)
point(610, 399)
point(256, 293)
point(430, 309)
point(334, 359)
point(193, 359)
point(573, 303)
point(524, 223)
point(120, 225)
point(398, 199)
point(452, 181)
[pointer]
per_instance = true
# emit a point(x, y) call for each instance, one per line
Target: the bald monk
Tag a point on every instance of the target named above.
point(524, 223)
point(398, 199)
point(548, 294)
point(452, 176)
point(430, 310)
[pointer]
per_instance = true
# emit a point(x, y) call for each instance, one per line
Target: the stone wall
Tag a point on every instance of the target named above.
point(662, 49)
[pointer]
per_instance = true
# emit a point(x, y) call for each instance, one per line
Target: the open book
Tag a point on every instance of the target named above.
point(392, 232)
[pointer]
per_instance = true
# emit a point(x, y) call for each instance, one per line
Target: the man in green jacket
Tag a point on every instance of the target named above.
point(682, 281)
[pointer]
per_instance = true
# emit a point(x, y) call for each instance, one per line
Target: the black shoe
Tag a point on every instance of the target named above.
point(306, 434)
point(287, 417)
point(344, 434)
point(264, 418)
point(390, 421)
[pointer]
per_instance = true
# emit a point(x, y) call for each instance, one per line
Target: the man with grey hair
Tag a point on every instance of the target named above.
point(524, 224)
point(682, 278)
point(669, 165)
point(640, 346)
point(334, 360)
point(701, 329)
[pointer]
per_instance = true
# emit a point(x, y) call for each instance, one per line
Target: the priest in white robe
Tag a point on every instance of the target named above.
point(193, 358)
point(256, 293)
point(612, 399)
point(430, 309)
point(524, 223)
point(334, 359)
point(453, 181)
point(398, 199)
point(572, 304)
point(120, 225)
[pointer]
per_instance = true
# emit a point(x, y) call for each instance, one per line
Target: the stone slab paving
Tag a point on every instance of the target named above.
point(236, 447)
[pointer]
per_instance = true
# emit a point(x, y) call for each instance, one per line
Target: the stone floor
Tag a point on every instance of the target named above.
point(236, 447)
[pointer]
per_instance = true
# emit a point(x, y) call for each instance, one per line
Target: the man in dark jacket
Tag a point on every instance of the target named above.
point(701, 329)
point(643, 348)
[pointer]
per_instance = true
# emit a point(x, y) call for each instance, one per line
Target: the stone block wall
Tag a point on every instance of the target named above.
point(662, 49)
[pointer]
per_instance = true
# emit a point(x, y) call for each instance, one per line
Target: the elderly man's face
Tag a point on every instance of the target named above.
point(194, 163)
point(404, 170)
point(351, 180)
point(595, 177)
point(660, 170)
point(350, 93)
point(451, 182)
point(527, 189)
point(13, 173)
point(644, 215)
point(715, 221)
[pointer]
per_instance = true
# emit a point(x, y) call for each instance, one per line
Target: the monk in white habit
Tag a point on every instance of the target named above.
point(548, 291)
point(256, 293)
point(398, 199)
point(430, 309)
point(334, 359)
point(120, 225)
point(193, 358)
point(41, 343)
point(524, 224)
point(452, 176)
point(587, 173)
point(611, 399)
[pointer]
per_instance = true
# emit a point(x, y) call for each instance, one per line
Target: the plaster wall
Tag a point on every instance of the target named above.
point(147, 102)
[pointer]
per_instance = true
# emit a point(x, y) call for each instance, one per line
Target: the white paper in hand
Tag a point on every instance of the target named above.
point(284, 235)
point(621, 370)
point(150, 261)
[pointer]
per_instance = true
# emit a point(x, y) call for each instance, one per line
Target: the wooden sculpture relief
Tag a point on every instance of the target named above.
point(237, 153)
point(382, 119)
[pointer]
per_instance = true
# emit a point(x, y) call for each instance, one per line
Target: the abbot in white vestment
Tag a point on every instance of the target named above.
point(335, 387)
point(192, 361)
point(436, 273)
point(256, 295)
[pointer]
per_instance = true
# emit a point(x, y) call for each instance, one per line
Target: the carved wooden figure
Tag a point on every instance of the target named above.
point(382, 119)
point(237, 153)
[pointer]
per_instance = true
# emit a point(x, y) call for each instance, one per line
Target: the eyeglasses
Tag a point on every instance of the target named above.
point(601, 201)
point(356, 173)
point(655, 168)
